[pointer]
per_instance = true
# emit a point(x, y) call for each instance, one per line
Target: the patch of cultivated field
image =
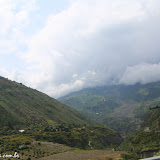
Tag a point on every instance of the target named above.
point(85, 155)
point(42, 149)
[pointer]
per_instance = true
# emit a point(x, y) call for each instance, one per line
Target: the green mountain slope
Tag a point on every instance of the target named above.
point(120, 107)
point(145, 142)
point(20, 105)
point(45, 119)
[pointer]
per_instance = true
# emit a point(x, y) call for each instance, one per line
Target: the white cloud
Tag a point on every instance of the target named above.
point(92, 42)
point(14, 17)
point(63, 89)
point(143, 73)
point(92, 39)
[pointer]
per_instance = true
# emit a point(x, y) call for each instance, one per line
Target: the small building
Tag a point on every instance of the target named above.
point(21, 131)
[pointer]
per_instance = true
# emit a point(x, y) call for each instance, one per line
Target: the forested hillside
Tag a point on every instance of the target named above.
point(20, 105)
point(120, 107)
point(42, 118)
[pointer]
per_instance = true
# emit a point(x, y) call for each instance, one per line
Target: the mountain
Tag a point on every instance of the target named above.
point(43, 118)
point(152, 119)
point(145, 142)
point(132, 110)
point(120, 107)
point(23, 106)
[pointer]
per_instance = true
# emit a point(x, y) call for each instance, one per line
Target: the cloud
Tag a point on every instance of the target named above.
point(14, 17)
point(143, 73)
point(92, 42)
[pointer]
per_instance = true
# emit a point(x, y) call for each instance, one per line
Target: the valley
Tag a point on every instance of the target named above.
point(133, 111)
point(120, 107)
point(35, 125)
point(116, 123)
point(79, 79)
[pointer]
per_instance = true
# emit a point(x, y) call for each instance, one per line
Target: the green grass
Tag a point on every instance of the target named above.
point(20, 105)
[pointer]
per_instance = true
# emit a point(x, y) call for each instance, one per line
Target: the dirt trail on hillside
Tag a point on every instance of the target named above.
point(85, 155)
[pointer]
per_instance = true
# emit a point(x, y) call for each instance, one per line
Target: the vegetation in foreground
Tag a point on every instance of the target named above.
point(31, 143)
point(145, 142)
point(86, 155)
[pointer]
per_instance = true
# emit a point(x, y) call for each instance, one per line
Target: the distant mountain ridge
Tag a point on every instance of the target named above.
point(120, 107)
point(20, 105)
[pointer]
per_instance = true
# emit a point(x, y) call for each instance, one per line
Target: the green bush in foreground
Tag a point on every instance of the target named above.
point(129, 156)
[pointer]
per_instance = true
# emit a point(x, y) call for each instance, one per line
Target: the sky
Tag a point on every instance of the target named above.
point(62, 46)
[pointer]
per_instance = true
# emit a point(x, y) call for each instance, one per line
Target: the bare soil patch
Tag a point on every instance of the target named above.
point(85, 155)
